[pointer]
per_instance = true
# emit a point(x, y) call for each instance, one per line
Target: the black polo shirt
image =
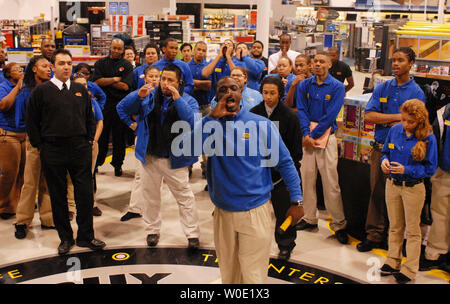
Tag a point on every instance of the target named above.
point(106, 68)
point(340, 70)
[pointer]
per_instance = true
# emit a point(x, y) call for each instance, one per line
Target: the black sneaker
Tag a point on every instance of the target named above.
point(118, 171)
point(342, 236)
point(400, 278)
point(129, 215)
point(193, 244)
point(303, 225)
point(152, 240)
point(368, 245)
point(21, 231)
point(426, 264)
point(387, 270)
point(284, 254)
point(96, 211)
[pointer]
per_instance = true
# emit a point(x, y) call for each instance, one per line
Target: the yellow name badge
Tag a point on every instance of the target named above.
point(447, 123)
point(391, 146)
point(218, 70)
point(327, 97)
point(383, 99)
point(245, 135)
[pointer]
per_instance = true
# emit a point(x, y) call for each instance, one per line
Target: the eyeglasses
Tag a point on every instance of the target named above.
point(238, 76)
point(17, 70)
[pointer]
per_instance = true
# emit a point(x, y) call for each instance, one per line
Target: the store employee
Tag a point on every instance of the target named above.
point(383, 109)
point(114, 75)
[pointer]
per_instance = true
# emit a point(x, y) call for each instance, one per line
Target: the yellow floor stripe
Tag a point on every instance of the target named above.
point(381, 252)
point(108, 158)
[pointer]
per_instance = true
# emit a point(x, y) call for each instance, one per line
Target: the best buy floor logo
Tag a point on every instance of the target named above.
point(150, 266)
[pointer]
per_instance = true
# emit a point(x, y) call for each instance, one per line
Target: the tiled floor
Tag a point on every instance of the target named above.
point(319, 250)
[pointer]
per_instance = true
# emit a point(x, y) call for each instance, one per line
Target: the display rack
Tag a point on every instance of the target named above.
point(101, 37)
point(158, 31)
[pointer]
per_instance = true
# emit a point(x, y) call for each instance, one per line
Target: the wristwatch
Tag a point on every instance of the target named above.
point(297, 203)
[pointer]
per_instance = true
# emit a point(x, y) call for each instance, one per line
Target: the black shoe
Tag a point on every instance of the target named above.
point(152, 240)
point(118, 171)
point(426, 264)
point(96, 211)
point(94, 244)
point(303, 225)
point(44, 227)
point(65, 246)
point(400, 278)
point(342, 236)
point(368, 245)
point(284, 254)
point(129, 216)
point(193, 244)
point(6, 216)
point(21, 231)
point(387, 270)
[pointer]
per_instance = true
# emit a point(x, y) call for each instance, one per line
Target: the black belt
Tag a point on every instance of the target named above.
point(411, 183)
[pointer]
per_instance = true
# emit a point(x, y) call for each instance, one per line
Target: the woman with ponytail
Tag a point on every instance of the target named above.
point(409, 156)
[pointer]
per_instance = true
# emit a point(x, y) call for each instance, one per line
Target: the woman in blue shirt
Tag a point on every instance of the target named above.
point(12, 142)
point(34, 185)
point(285, 68)
point(409, 156)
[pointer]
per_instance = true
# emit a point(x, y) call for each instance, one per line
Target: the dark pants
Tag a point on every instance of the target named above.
point(281, 203)
point(377, 222)
point(112, 123)
point(73, 155)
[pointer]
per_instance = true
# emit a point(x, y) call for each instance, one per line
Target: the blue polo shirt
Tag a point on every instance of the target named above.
point(98, 93)
point(444, 145)
point(398, 147)
point(202, 97)
point(2, 78)
point(187, 75)
point(21, 107)
point(222, 69)
point(319, 103)
point(387, 98)
point(138, 76)
point(8, 118)
point(249, 99)
point(98, 115)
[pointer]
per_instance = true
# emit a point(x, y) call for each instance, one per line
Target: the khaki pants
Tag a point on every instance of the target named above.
point(12, 164)
point(243, 243)
point(324, 160)
point(152, 174)
point(136, 200)
point(34, 182)
point(404, 206)
point(377, 221)
point(70, 194)
point(438, 239)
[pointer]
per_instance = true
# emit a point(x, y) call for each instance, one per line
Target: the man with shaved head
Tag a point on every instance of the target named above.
point(48, 47)
point(114, 75)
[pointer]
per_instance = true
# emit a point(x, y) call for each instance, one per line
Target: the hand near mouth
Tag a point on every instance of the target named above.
point(221, 108)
